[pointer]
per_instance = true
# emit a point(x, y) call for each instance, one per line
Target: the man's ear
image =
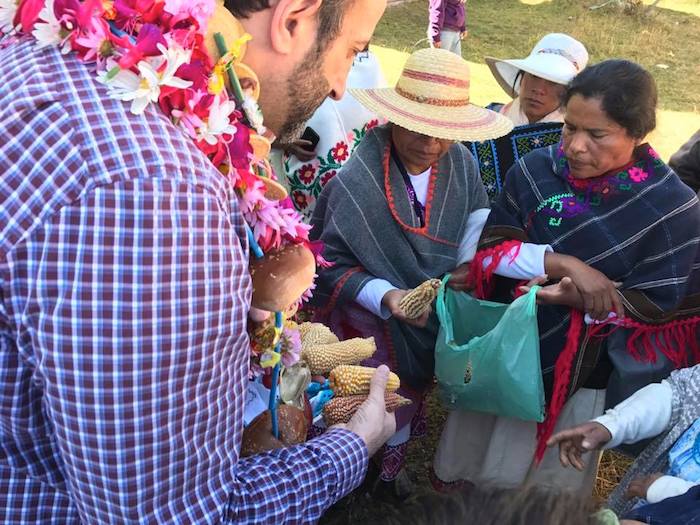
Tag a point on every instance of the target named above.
point(294, 24)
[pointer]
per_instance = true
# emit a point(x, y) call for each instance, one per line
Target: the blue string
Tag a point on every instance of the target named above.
point(254, 246)
point(114, 29)
point(275, 380)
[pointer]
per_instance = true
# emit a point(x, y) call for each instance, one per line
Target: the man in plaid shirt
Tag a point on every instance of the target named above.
point(124, 293)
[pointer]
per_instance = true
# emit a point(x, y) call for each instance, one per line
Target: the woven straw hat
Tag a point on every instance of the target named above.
point(432, 97)
point(556, 57)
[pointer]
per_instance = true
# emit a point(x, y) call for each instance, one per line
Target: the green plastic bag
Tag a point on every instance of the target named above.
point(487, 356)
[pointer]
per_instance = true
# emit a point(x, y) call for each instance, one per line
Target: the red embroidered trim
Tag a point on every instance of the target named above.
point(480, 278)
point(562, 378)
point(326, 310)
point(428, 204)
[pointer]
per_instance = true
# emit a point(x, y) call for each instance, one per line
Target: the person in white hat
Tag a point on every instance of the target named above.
point(407, 207)
point(538, 81)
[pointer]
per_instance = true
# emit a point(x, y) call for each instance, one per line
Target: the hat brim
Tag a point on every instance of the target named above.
point(461, 123)
point(550, 67)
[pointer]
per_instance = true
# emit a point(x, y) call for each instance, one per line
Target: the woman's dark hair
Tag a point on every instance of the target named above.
point(330, 15)
point(495, 506)
point(626, 90)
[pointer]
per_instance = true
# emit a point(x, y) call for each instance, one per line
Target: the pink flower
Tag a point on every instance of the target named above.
point(28, 13)
point(290, 347)
point(638, 174)
point(146, 45)
point(653, 153)
point(199, 10)
point(97, 41)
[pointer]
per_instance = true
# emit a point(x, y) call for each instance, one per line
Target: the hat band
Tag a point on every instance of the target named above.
point(561, 53)
point(434, 78)
point(432, 101)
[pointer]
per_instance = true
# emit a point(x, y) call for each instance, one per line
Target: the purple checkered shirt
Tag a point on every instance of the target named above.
point(123, 299)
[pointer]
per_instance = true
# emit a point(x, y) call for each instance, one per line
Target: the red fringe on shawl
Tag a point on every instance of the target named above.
point(677, 340)
point(562, 377)
point(482, 278)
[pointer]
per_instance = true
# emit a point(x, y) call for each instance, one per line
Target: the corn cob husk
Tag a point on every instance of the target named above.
point(347, 380)
point(324, 358)
point(341, 409)
point(314, 334)
point(416, 302)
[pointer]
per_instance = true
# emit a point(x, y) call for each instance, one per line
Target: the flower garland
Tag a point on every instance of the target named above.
point(154, 52)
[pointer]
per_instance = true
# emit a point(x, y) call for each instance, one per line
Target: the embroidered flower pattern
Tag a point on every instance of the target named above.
point(637, 174)
point(340, 152)
point(307, 173)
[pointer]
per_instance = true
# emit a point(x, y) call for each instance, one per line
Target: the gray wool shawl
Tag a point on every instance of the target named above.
point(685, 410)
point(370, 229)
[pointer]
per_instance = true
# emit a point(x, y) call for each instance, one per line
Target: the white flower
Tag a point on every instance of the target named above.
point(8, 9)
point(218, 121)
point(145, 87)
point(255, 116)
point(127, 85)
point(50, 32)
point(175, 56)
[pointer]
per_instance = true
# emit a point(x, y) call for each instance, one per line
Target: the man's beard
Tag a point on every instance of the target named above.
point(307, 88)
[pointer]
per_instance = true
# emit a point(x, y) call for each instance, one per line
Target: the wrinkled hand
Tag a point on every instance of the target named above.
point(392, 299)
point(562, 293)
point(459, 278)
point(599, 294)
point(371, 421)
point(301, 149)
point(574, 442)
point(639, 487)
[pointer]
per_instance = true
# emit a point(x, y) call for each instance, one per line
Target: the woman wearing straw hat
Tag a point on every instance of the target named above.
point(536, 83)
point(408, 206)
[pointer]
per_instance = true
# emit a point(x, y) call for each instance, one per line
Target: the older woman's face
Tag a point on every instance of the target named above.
point(593, 143)
point(539, 97)
point(418, 152)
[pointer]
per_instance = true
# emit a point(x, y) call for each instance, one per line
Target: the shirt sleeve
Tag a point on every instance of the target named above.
point(436, 18)
point(143, 293)
point(528, 263)
point(645, 414)
point(668, 487)
point(371, 295)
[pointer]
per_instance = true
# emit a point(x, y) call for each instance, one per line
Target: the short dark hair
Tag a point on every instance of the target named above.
point(330, 15)
point(489, 505)
point(626, 90)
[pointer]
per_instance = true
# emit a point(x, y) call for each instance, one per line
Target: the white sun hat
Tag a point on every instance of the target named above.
point(556, 57)
point(431, 97)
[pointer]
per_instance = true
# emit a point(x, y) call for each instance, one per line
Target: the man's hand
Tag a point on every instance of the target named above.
point(301, 149)
point(459, 277)
point(371, 421)
point(463, 35)
point(639, 487)
point(392, 299)
point(576, 441)
point(437, 45)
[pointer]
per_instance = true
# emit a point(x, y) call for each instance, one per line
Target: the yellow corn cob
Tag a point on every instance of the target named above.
point(315, 333)
point(341, 409)
point(347, 380)
point(324, 358)
point(417, 301)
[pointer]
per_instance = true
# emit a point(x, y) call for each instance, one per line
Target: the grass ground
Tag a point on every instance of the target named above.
point(664, 41)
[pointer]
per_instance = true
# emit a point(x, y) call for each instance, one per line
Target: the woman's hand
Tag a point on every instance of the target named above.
point(598, 293)
point(573, 443)
point(392, 299)
point(639, 487)
point(562, 293)
point(459, 277)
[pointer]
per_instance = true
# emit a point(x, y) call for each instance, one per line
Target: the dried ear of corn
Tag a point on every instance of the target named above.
point(341, 409)
point(416, 302)
point(324, 358)
point(347, 380)
point(315, 333)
